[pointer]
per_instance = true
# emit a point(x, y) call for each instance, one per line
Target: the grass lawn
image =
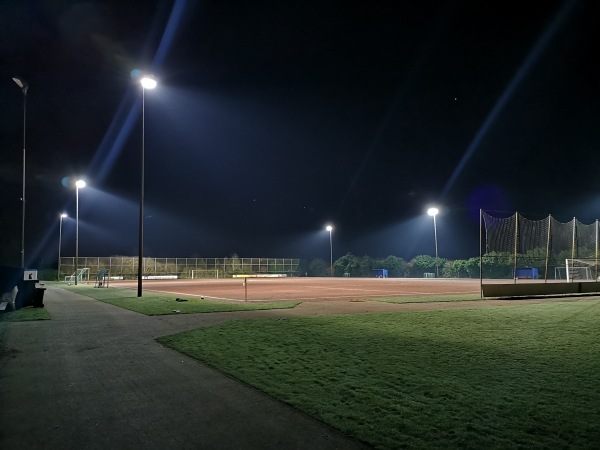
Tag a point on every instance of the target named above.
point(429, 298)
point(24, 314)
point(153, 303)
point(506, 377)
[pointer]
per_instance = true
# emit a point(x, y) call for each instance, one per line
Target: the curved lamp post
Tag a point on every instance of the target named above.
point(24, 87)
point(147, 82)
point(80, 184)
point(62, 216)
point(330, 229)
point(434, 212)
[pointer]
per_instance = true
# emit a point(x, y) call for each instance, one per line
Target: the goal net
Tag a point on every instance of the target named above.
point(205, 273)
point(581, 269)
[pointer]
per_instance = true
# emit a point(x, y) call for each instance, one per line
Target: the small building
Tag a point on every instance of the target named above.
point(379, 273)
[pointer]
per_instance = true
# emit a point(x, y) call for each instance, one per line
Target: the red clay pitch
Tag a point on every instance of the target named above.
point(307, 289)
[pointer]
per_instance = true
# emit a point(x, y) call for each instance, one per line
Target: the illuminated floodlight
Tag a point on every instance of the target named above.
point(80, 184)
point(148, 82)
point(433, 212)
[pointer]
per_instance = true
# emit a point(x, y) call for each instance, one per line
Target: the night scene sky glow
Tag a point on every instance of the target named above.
point(271, 120)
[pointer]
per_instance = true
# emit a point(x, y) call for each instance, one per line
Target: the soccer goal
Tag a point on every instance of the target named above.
point(581, 269)
point(80, 275)
point(204, 273)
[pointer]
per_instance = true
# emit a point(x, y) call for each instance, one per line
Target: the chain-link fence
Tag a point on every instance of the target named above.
point(127, 266)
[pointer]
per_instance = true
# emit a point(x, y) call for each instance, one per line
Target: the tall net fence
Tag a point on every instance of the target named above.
point(127, 266)
point(521, 248)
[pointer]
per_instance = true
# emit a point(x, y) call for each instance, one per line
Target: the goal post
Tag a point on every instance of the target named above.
point(204, 273)
point(581, 269)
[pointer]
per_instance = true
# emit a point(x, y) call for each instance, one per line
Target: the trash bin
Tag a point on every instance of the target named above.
point(38, 297)
point(26, 294)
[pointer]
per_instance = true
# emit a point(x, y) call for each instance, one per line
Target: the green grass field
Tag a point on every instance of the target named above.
point(508, 377)
point(429, 298)
point(153, 303)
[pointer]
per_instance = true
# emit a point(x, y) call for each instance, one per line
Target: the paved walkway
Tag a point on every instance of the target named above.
point(94, 378)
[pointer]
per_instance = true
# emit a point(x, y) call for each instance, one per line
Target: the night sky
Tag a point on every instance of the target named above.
point(273, 119)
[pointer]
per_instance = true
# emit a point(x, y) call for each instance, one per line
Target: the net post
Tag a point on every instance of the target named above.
point(573, 246)
point(480, 253)
point(596, 265)
point(548, 248)
point(516, 245)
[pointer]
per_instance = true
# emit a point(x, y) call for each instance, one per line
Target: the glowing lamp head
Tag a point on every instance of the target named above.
point(148, 82)
point(433, 212)
point(80, 184)
point(329, 228)
point(63, 215)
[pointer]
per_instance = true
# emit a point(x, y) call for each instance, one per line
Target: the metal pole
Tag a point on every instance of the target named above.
point(548, 247)
point(330, 255)
point(516, 245)
point(59, 245)
point(141, 229)
point(596, 275)
point(573, 243)
point(24, 87)
point(437, 274)
point(480, 253)
point(76, 234)
point(23, 212)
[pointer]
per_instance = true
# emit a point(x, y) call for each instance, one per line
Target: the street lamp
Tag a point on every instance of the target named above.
point(80, 184)
point(330, 229)
point(62, 216)
point(24, 87)
point(147, 82)
point(434, 212)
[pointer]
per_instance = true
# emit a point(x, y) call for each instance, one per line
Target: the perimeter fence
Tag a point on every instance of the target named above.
point(127, 266)
point(520, 248)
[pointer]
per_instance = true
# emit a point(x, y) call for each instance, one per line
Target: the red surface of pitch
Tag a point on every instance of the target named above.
point(307, 289)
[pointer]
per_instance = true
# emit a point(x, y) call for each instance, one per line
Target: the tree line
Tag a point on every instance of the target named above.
point(362, 266)
point(495, 265)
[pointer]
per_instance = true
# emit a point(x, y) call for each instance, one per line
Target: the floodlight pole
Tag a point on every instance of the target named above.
point(434, 212)
point(78, 185)
point(141, 224)
point(62, 216)
point(147, 82)
point(24, 87)
point(437, 272)
point(330, 229)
